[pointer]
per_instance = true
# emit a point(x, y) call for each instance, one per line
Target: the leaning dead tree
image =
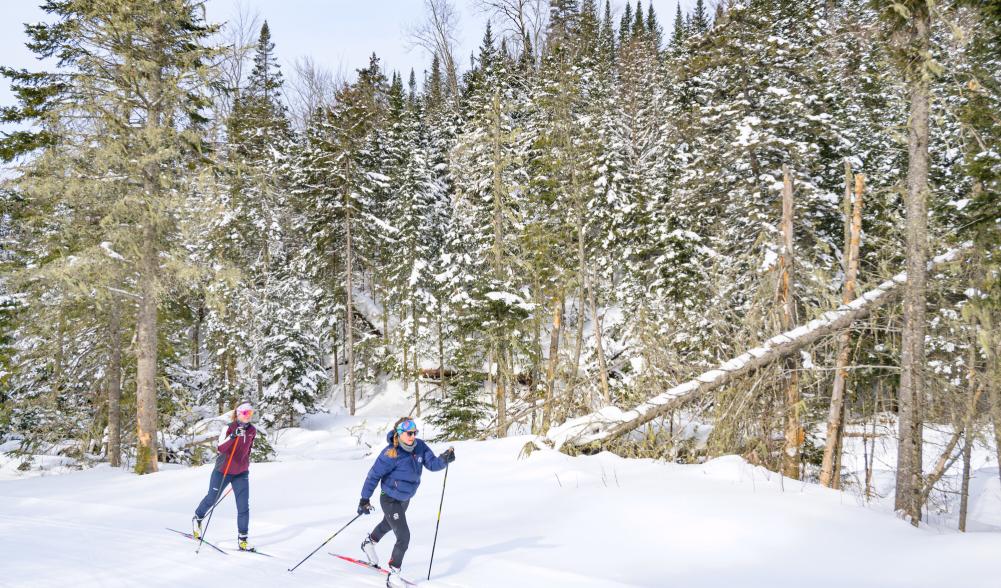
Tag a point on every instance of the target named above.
point(609, 423)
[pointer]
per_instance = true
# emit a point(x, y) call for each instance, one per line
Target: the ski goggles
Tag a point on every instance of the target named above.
point(406, 427)
point(245, 412)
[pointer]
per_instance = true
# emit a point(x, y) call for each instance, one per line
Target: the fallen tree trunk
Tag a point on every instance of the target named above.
point(612, 422)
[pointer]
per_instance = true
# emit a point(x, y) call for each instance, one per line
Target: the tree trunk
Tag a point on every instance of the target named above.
point(995, 399)
point(406, 367)
point(115, 386)
point(537, 359)
point(793, 430)
point(385, 314)
point(196, 337)
point(870, 450)
point(846, 215)
point(417, 384)
point(964, 492)
point(60, 360)
point(606, 395)
point(491, 381)
point(336, 362)
point(909, 476)
point(501, 394)
point(581, 291)
point(221, 398)
point(554, 352)
point(146, 343)
point(498, 260)
point(349, 311)
point(946, 459)
point(234, 389)
point(441, 353)
point(830, 471)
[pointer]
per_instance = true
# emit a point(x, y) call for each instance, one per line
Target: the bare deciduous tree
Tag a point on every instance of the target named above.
point(310, 87)
point(523, 21)
point(239, 37)
point(436, 35)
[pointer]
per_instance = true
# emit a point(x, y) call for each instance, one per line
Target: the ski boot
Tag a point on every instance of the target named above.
point(368, 548)
point(196, 527)
point(393, 580)
point(241, 541)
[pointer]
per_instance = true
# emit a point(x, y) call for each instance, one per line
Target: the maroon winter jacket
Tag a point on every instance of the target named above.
point(241, 456)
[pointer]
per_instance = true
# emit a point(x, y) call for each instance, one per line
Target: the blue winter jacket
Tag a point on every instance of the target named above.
point(401, 475)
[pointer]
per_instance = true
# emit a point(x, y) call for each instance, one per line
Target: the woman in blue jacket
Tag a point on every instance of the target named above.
point(398, 468)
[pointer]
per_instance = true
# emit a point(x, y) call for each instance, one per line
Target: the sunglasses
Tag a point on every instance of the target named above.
point(409, 433)
point(245, 413)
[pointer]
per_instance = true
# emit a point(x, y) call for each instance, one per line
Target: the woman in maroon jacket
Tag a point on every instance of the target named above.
point(232, 466)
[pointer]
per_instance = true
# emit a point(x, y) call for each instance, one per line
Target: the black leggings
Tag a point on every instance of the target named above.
point(395, 520)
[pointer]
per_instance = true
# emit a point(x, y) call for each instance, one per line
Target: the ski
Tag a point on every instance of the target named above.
point(193, 538)
point(251, 551)
point(372, 567)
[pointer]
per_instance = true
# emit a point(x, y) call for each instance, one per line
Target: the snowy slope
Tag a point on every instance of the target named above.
point(546, 520)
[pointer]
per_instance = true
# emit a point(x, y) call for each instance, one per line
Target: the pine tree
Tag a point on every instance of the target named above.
point(625, 25)
point(486, 178)
point(678, 32)
point(434, 88)
point(341, 177)
point(639, 28)
point(157, 79)
point(700, 19)
point(461, 414)
point(653, 28)
point(606, 37)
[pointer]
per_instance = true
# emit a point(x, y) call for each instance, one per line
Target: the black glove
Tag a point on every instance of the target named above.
point(448, 455)
point(364, 506)
point(240, 431)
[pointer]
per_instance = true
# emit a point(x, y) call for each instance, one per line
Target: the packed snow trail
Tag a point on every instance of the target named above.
point(548, 520)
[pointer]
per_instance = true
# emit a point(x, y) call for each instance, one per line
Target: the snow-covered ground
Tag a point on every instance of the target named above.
point(547, 520)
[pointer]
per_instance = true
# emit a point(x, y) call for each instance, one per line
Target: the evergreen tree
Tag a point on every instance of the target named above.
point(653, 28)
point(700, 19)
point(678, 32)
point(625, 25)
point(461, 414)
point(606, 37)
point(158, 71)
point(341, 177)
point(639, 28)
point(486, 179)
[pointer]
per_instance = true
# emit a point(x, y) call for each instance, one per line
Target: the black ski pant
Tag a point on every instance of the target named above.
point(394, 519)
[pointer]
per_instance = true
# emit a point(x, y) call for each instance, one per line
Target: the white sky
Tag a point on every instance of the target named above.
point(339, 35)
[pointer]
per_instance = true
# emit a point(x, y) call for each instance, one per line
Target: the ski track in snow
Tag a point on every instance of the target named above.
point(549, 520)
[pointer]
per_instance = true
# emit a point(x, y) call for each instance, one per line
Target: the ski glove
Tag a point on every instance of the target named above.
point(448, 455)
point(364, 506)
point(240, 431)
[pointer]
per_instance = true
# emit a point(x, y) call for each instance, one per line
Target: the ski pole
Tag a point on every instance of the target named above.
point(325, 542)
point(221, 484)
point(439, 519)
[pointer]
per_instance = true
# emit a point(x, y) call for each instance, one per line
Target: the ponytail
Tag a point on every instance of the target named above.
point(392, 452)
